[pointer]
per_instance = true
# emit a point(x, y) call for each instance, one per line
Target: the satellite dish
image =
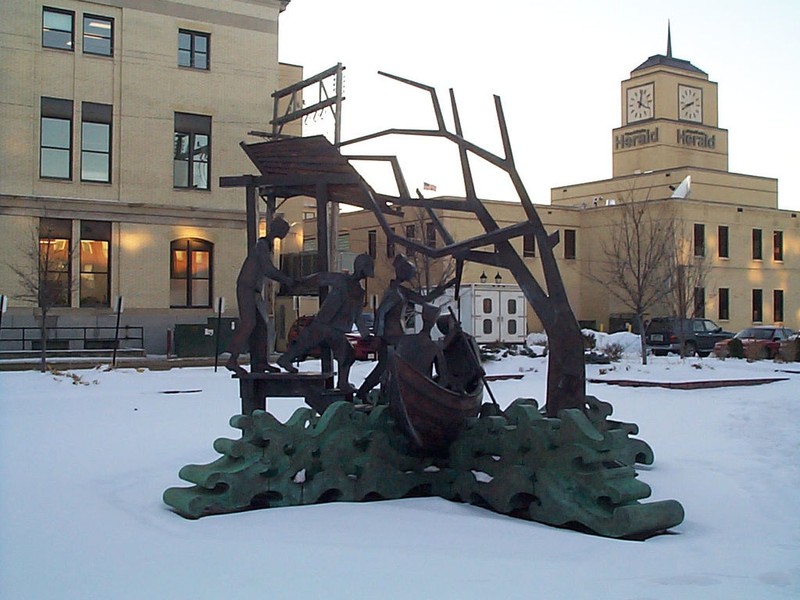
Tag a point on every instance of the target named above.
point(684, 188)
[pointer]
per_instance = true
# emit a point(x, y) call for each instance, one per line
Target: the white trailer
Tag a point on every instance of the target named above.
point(490, 312)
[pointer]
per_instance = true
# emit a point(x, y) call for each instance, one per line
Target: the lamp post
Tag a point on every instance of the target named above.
point(483, 277)
point(498, 278)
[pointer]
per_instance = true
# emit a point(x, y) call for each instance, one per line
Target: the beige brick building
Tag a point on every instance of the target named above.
point(669, 135)
point(117, 118)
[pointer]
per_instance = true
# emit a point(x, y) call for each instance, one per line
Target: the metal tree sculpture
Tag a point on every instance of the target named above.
point(566, 373)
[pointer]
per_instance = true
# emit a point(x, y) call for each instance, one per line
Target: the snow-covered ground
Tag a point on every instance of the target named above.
point(84, 460)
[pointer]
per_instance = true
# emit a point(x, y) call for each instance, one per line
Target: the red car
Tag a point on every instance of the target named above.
point(365, 348)
point(763, 341)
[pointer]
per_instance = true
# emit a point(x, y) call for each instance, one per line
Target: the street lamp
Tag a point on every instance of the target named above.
point(483, 277)
point(498, 278)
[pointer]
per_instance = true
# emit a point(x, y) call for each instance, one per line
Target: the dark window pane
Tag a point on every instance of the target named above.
point(487, 306)
point(487, 326)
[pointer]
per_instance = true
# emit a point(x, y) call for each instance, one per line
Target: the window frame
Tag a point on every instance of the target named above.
point(724, 304)
point(56, 110)
point(757, 307)
point(723, 248)
point(777, 245)
point(372, 243)
point(758, 244)
point(570, 244)
point(93, 113)
point(185, 244)
point(528, 246)
point(85, 35)
point(778, 306)
point(699, 240)
point(192, 51)
point(70, 47)
point(191, 126)
point(63, 229)
point(99, 235)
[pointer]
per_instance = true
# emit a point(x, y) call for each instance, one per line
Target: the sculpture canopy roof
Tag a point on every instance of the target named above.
point(296, 166)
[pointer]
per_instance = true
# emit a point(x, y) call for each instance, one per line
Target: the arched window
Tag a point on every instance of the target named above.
point(190, 273)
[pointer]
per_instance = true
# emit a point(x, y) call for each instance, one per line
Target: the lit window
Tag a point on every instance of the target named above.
point(192, 152)
point(96, 142)
point(55, 252)
point(193, 49)
point(55, 146)
point(57, 29)
point(98, 35)
point(95, 263)
point(190, 273)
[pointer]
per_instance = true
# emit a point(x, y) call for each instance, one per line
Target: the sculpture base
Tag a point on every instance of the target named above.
point(574, 470)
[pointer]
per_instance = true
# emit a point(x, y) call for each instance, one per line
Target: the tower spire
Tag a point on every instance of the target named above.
point(669, 41)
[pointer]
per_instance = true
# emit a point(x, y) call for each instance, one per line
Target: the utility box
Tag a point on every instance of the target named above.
point(489, 312)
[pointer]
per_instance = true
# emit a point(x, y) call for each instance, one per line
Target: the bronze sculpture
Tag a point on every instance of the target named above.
point(257, 267)
point(341, 308)
point(389, 316)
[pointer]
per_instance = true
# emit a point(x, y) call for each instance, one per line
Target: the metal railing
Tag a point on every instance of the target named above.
point(71, 338)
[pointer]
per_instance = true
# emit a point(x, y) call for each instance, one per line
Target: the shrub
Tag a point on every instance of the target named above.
point(735, 348)
point(589, 341)
point(790, 351)
point(614, 351)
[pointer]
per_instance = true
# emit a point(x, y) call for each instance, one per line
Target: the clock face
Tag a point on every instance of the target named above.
point(690, 103)
point(640, 103)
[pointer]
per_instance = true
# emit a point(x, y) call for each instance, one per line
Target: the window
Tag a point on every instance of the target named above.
point(512, 326)
point(758, 309)
point(487, 326)
point(757, 254)
point(343, 242)
point(512, 306)
point(192, 152)
point(777, 306)
point(777, 246)
point(487, 306)
point(98, 35)
point(724, 311)
point(411, 234)
point(96, 142)
point(57, 29)
point(95, 283)
point(699, 239)
point(55, 252)
point(309, 244)
point(569, 244)
point(528, 246)
point(372, 243)
point(430, 235)
point(193, 49)
point(699, 302)
point(722, 242)
point(390, 244)
point(190, 273)
point(55, 146)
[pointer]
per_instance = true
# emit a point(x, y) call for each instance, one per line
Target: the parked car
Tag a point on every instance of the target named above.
point(664, 334)
point(762, 341)
point(365, 348)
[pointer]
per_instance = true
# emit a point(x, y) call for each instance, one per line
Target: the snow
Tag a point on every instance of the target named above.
point(85, 457)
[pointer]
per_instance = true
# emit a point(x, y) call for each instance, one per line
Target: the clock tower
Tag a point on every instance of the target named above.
point(669, 119)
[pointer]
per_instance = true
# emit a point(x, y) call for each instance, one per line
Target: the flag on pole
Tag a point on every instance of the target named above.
point(428, 186)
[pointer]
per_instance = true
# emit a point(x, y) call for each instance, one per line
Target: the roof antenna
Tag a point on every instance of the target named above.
point(669, 41)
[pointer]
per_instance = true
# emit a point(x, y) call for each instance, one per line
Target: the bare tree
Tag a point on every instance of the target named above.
point(636, 258)
point(431, 272)
point(687, 271)
point(43, 278)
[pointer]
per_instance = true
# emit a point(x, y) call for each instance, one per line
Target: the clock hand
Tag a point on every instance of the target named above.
point(688, 105)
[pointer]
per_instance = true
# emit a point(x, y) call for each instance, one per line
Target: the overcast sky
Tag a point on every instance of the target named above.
point(558, 68)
